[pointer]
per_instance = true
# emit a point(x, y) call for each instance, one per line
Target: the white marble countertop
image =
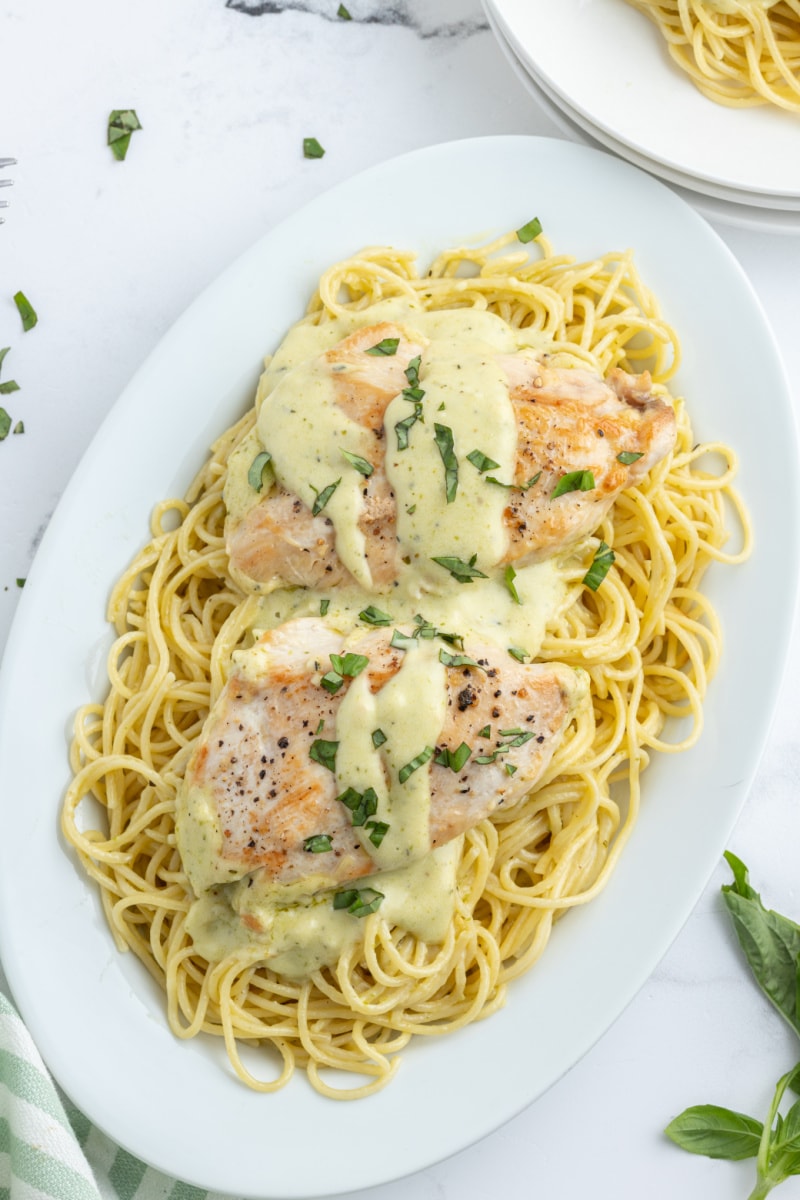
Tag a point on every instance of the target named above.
point(111, 254)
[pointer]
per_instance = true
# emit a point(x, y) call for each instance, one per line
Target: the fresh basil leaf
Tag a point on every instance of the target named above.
point(716, 1132)
point(374, 616)
point(318, 843)
point(462, 571)
point(121, 124)
point(481, 462)
point(387, 347)
point(530, 231)
point(324, 753)
point(418, 761)
point(573, 481)
point(343, 13)
point(9, 386)
point(255, 476)
point(19, 427)
point(377, 831)
point(443, 436)
point(771, 944)
point(349, 664)
point(403, 428)
point(601, 563)
point(3, 353)
point(412, 372)
point(312, 148)
point(323, 497)
point(361, 465)
point(626, 457)
point(25, 310)
point(508, 579)
point(5, 424)
point(21, 583)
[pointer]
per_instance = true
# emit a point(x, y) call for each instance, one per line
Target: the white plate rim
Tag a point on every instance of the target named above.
point(432, 1108)
point(610, 63)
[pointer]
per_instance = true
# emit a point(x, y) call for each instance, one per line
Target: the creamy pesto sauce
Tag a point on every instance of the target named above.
point(302, 935)
point(410, 709)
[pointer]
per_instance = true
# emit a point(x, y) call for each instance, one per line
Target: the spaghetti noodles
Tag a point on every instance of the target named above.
point(647, 637)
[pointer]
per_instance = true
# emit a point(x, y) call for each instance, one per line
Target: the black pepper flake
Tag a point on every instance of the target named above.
point(495, 713)
point(261, 774)
point(466, 698)
point(540, 738)
point(283, 742)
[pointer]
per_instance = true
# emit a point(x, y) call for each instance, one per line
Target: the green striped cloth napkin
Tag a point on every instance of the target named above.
point(50, 1150)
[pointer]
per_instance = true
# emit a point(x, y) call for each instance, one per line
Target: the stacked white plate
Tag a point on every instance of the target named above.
point(602, 72)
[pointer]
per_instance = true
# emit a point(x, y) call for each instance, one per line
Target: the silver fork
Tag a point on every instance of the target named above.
point(6, 162)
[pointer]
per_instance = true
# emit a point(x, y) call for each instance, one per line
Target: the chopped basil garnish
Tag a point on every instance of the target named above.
point(361, 805)
point(510, 769)
point(377, 831)
point(401, 641)
point(481, 462)
point(462, 571)
point(312, 148)
point(454, 759)
point(412, 372)
point(456, 660)
point(332, 681)
point(255, 476)
point(343, 13)
point(519, 487)
point(324, 605)
point(361, 465)
point(486, 732)
point(483, 759)
point(318, 843)
point(321, 725)
point(121, 124)
point(387, 347)
point(378, 738)
point(530, 231)
point(20, 583)
point(5, 424)
point(508, 579)
point(8, 387)
point(349, 664)
point(573, 481)
point(517, 653)
point(25, 310)
point(374, 616)
point(18, 428)
point(324, 753)
point(603, 558)
point(358, 902)
point(418, 761)
point(323, 497)
point(518, 737)
point(628, 456)
point(403, 428)
point(3, 353)
point(443, 436)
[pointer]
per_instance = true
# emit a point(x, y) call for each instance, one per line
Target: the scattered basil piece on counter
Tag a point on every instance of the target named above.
point(9, 386)
point(530, 231)
point(255, 476)
point(387, 348)
point(343, 13)
point(20, 583)
point(19, 427)
point(318, 843)
point(601, 563)
point(3, 353)
point(771, 945)
point(121, 124)
point(312, 148)
point(25, 310)
point(5, 424)
point(573, 481)
point(626, 457)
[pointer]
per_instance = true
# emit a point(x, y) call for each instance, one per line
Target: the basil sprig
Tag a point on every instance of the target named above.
point(771, 945)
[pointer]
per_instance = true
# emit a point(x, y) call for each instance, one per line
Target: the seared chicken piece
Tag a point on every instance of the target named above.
point(269, 791)
point(568, 420)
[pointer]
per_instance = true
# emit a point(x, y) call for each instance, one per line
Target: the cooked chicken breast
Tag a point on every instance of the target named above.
point(609, 433)
point(265, 767)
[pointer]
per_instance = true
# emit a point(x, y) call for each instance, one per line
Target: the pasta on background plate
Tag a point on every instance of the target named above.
point(386, 681)
point(737, 52)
